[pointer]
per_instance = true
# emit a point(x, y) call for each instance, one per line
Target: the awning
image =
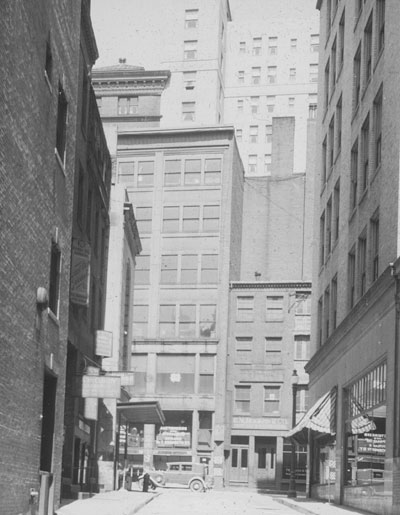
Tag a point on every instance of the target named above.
point(141, 412)
point(321, 417)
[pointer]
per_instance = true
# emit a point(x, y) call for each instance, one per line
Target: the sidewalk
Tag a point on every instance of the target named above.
point(120, 502)
point(313, 507)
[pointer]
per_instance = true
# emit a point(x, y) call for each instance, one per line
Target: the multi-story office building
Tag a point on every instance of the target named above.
point(354, 373)
point(187, 188)
point(271, 71)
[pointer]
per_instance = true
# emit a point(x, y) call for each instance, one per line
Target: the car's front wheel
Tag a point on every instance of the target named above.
point(196, 485)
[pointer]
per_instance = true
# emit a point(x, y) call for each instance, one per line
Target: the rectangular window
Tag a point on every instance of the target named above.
point(302, 321)
point(253, 133)
point(209, 268)
point(333, 65)
point(380, 25)
point(189, 50)
point(357, 78)
point(191, 18)
point(245, 308)
point(126, 171)
point(331, 144)
point(240, 104)
point(352, 277)
point(242, 47)
point(254, 103)
point(192, 171)
point(273, 45)
point(189, 80)
point(189, 266)
point(270, 103)
point(267, 164)
point(293, 43)
point(167, 320)
point(319, 321)
point(341, 42)
point(365, 154)
point(336, 211)
point(175, 376)
point(272, 400)
point(378, 129)
point(187, 321)
point(191, 219)
point(244, 345)
point(252, 163)
point(268, 134)
point(313, 73)
point(367, 51)
point(169, 269)
point(145, 174)
point(171, 219)
point(144, 219)
point(54, 279)
point(375, 247)
point(172, 172)
point(273, 350)
point(142, 269)
point(339, 126)
point(128, 105)
point(242, 399)
point(362, 264)
point(207, 322)
point(257, 46)
point(212, 171)
point(271, 73)
point(327, 313)
point(326, 85)
point(322, 240)
point(210, 218)
point(206, 371)
point(274, 308)
point(292, 74)
point(139, 368)
point(241, 77)
point(314, 43)
point(324, 162)
point(188, 111)
point(328, 227)
point(239, 134)
point(334, 300)
point(139, 321)
point(61, 134)
point(302, 347)
point(291, 102)
point(354, 176)
point(255, 75)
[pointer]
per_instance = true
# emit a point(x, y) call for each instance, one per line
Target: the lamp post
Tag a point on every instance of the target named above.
point(294, 381)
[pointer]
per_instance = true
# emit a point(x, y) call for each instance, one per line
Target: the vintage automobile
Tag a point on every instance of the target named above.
point(183, 473)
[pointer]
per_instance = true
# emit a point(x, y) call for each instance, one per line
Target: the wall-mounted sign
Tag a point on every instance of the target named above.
point(104, 340)
point(80, 272)
point(91, 409)
point(101, 387)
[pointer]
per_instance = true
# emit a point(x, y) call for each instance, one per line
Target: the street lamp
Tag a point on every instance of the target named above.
point(294, 381)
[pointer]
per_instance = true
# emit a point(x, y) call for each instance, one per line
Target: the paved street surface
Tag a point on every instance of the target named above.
point(181, 502)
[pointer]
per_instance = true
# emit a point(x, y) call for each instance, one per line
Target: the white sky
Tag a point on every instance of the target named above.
point(120, 24)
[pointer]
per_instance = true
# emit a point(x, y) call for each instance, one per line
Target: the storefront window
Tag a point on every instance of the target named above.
point(301, 461)
point(366, 431)
point(325, 460)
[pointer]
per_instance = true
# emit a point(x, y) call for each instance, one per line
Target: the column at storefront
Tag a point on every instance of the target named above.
point(149, 439)
point(195, 431)
point(279, 462)
point(252, 461)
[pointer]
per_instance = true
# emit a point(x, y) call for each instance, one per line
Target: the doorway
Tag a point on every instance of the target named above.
point(240, 459)
point(265, 462)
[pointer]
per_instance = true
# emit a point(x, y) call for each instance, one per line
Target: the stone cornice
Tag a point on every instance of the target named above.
point(87, 30)
point(261, 285)
point(131, 230)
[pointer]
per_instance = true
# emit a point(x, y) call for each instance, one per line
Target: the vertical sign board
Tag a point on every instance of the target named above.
point(80, 272)
point(104, 340)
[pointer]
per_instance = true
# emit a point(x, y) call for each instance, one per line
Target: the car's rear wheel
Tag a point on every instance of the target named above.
point(196, 485)
point(158, 478)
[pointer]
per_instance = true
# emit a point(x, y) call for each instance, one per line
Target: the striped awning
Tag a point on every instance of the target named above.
point(321, 418)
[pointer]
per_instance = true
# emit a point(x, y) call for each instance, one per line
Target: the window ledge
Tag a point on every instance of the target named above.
point(352, 214)
point(378, 57)
point(339, 72)
point(355, 112)
point(53, 317)
point(363, 196)
point(366, 86)
point(376, 172)
point(60, 162)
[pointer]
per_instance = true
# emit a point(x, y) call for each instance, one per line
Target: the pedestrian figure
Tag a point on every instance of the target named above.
point(146, 482)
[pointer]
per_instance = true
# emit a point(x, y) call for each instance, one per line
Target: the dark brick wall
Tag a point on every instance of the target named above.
point(36, 207)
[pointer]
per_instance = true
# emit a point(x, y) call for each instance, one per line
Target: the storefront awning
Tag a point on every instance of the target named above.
point(321, 417)
point(141, 412)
